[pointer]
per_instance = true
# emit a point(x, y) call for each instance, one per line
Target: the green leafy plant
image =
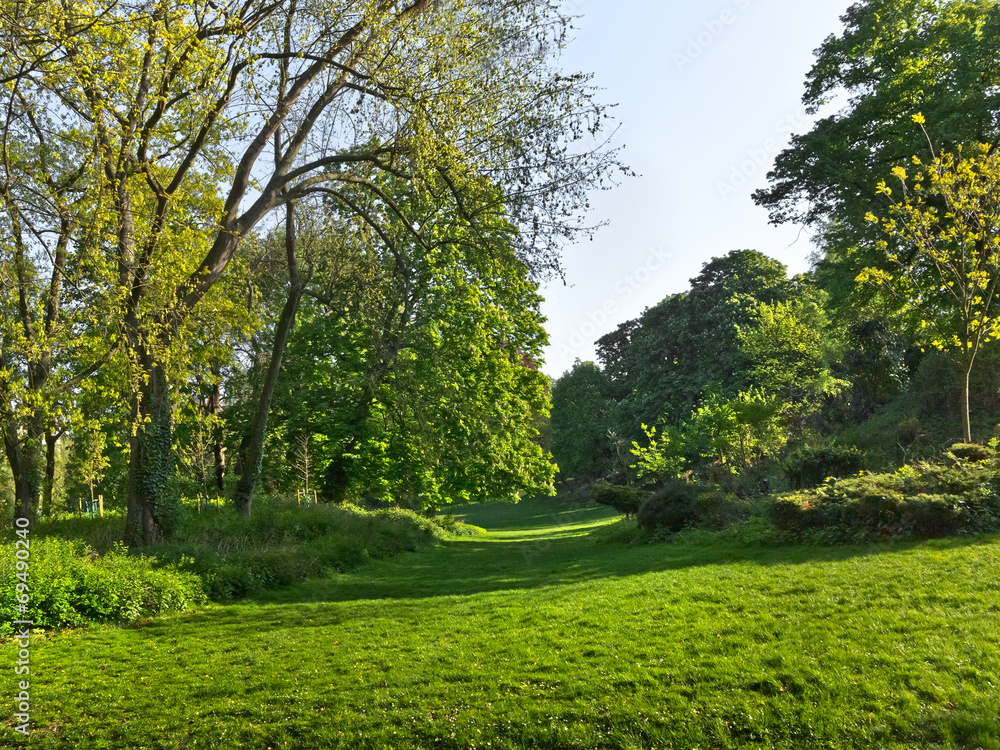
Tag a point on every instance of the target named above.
point(808, 467)
point(624, 498)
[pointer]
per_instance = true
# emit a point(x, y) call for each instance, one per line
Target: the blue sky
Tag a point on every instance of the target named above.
point(707, 93)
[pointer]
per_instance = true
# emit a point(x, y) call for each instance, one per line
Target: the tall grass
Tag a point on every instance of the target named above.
point(80, 573)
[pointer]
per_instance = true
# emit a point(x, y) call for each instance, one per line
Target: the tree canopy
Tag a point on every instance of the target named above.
point(187, 124)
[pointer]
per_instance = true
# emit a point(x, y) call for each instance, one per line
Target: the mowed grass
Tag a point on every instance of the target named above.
point(538, 636)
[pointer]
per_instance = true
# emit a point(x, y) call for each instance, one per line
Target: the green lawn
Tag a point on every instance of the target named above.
point(538, 636)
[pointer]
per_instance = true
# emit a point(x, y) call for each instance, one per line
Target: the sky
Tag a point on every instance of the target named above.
point(707, 94)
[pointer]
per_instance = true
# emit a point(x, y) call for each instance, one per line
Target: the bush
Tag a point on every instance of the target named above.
point(71, 585)
point(808, 467)
point(457, 527)
point(923, 501)
point(623, 498)
point(972, 452)
point(717, 510)
point(679, 504)
point(670, 508)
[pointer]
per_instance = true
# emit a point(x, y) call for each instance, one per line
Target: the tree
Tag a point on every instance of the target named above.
point(662, 457)
point(581, 417)
point(948, 219)
point(789, 351)
point(239, 108)
point(55, 323)
point(93, 462)
point(421, 380)
point(736, 432)
point(874, 362)
point(686, 346)
point(894, 58)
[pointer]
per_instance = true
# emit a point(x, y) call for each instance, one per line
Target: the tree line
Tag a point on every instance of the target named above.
point(306, 235)
point(898, 316)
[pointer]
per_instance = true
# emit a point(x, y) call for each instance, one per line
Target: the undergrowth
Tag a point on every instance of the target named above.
point(78, 571)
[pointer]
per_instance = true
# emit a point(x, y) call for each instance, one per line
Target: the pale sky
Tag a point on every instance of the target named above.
point(707, 93)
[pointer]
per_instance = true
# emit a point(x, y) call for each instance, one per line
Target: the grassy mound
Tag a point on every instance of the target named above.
point(281, 543)
point(919, 501)
point(78, 573)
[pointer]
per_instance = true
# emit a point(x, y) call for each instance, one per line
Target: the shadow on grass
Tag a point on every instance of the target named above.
point(403, 586)
point(550, 549)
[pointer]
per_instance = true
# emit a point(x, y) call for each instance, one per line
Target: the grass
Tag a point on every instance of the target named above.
point(538, 636)
point(232, 556)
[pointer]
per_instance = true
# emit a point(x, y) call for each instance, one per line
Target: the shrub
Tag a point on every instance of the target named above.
point(228, 556)
point(457, 527)
point(972, 452)
point(71, 585)
point(696, 504)
point(808, 467)
point(671, 507)
point(922, 501)
point(717, 510)
point(623, 498)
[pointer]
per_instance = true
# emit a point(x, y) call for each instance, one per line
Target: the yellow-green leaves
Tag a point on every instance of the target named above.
point(949, 223)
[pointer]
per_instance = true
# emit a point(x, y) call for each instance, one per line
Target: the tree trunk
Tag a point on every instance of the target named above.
point(252, 445)
point(966, 424)
point(23, 470)
point(218, 429)
point(151, 466)
point(48, 486)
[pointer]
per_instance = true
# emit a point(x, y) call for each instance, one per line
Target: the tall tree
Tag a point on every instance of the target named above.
point(686, 346)
point(894, 58)
point(582, 415)
point(789, 352)
point(418, 386)
point(56, 326)
point(439, 95)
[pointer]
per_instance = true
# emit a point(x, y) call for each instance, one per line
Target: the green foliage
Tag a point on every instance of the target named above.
point(581, 417)
point(672, 506)
point(874, 363)
point(972, 452)
point(921, 501)
point(736, 432)
point(893, 59)
point(456, 526)
point(231, 557)
point(282, 543)
point(416, 373)
point(687, 346)
point(451, 139)
point(947, 220)
point(663, 457)
point(72, 585)
point(808, 467)
point(679, 503)
point(624, 498)
point(789, 355)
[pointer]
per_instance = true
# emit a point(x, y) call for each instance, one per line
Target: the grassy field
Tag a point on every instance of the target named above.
point(538, 635)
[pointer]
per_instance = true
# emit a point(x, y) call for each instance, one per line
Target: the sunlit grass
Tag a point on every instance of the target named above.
point(536, 636)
